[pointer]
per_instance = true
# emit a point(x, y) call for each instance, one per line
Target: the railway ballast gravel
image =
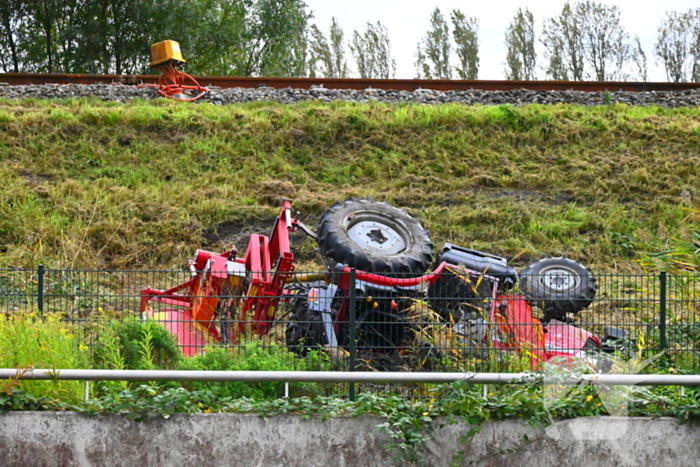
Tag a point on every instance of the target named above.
point(122, 93)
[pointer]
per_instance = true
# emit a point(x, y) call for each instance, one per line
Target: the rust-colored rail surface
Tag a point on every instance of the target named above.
point(14, 79)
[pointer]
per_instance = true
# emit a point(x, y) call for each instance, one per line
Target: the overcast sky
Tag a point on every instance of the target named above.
point(409, 20)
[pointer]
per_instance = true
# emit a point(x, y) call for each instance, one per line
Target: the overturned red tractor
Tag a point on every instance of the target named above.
point(376, 259)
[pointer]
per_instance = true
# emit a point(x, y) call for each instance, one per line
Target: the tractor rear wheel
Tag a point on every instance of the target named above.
point(558, 286)
point(375, 237)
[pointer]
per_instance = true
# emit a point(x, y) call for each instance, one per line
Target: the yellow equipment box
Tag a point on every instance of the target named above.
point(164, 52)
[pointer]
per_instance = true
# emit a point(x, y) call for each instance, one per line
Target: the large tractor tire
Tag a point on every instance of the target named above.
point(558, 286)
point(374, 236)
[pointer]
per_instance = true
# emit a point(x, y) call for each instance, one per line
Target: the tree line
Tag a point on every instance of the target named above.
point(219, 37)
point(584, 41)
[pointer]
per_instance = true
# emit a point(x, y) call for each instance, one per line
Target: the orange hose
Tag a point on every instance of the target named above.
point(172, 82)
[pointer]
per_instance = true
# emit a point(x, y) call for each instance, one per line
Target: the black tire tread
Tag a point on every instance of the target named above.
point(336, 245)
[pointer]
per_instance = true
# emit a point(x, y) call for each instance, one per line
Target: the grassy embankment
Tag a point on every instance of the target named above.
point(144, 184)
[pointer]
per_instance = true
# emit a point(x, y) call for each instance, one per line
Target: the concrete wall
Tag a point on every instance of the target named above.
point(30, 439)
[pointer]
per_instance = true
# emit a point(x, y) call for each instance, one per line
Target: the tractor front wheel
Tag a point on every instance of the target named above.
point(558, 286)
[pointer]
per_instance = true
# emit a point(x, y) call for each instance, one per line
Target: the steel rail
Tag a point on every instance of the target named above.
point(15, 79)
point(346, 377)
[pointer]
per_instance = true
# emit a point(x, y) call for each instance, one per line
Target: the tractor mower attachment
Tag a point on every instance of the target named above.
point(224, 288)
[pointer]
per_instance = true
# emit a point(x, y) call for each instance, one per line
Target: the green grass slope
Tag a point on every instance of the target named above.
point(144, 184)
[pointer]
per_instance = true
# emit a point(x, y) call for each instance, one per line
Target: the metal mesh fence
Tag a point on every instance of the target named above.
point(458, 320)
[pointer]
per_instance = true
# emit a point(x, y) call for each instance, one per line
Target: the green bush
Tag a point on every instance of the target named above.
point(252, 357)
point(136, 345)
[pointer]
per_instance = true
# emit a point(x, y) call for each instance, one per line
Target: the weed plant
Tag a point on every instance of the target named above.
point(254, 356)
point(136, 345)
point(29, 341)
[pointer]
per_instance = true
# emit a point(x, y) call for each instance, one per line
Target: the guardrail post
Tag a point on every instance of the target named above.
point(353, 315)
point(662, 310)
point(40, 289)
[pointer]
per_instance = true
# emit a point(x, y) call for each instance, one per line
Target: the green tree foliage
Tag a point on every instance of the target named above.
point(639, 58)
point(101, 36)
point(327, 56)
point(433, 55)
point(212, 34)
point(520, 43)
point(563, 41)
point(114, 36)
point(678, 46)
point(372, 52)
point(695, 49)
point(239, 37)
point(277, 38)
point(606, 43)
point(587, 41)
point(52, 34)
point(13, 27)
point(466, 45)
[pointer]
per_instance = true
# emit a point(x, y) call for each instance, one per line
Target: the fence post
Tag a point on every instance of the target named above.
point(662, 310)
point(353, 313)
point(40, 289)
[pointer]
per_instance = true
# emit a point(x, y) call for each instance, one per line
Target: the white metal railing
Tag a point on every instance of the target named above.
point(347, 377)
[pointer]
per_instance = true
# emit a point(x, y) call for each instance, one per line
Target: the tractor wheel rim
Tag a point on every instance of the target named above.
point(559, 279)
point(377, 236)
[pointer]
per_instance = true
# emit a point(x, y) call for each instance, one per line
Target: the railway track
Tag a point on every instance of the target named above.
point(16, 79)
